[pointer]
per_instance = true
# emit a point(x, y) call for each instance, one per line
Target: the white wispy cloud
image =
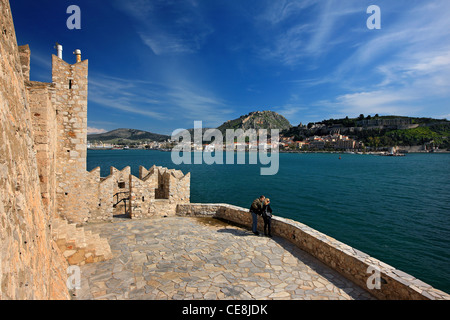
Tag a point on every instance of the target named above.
point(167, 27)
point(328, 26)
point(413, 40)
point(401, 69)
point(194, 104)
point(126, 95)
point(276, 12)
point(161, 101)
point(373, 102)
point(291, 41)
point(288, 47)
point(91, 130)
point(41, 60)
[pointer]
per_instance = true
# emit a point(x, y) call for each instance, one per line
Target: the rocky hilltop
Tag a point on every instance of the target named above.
point(257, 120)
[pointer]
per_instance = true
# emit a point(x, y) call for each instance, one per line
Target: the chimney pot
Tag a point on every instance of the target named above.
point(59, 50)
point(77, 53)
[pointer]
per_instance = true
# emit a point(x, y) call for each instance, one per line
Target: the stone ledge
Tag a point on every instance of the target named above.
point(355, 265)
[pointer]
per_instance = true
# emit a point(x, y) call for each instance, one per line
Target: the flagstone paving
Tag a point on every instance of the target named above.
point(204, 258)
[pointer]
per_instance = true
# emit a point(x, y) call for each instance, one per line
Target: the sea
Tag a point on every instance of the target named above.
point(396, 209)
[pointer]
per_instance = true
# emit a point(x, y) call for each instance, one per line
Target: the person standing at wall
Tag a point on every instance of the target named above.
point(267, 216)
point(256, 209)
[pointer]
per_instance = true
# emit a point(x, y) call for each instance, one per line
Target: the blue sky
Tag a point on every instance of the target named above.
point(160, 65)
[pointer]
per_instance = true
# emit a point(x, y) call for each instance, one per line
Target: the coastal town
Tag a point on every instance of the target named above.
point(334, 142)
point(391, 135)
point(328, 143)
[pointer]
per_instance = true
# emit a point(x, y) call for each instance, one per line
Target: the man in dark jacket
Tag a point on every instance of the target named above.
point(256, 209)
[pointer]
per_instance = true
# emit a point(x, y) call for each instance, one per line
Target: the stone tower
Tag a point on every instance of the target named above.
point(70, 83)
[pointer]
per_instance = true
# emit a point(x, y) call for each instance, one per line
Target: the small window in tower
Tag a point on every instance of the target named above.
point(70, 84)
point(121, 185)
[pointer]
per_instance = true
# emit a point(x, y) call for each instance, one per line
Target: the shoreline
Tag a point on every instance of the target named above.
point(383, 153)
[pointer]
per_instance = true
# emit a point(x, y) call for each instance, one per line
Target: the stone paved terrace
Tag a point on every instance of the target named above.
point(205, 258)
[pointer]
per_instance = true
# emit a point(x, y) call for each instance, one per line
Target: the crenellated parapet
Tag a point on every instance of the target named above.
point(158, 191)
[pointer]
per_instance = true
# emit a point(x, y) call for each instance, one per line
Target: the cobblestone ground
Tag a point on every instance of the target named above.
point(204, 258)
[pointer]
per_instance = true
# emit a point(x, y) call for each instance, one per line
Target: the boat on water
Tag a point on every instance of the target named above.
point(388, 154)
point(393, 152)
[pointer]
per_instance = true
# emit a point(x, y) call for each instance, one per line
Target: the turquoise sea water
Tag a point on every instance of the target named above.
point(396, 209)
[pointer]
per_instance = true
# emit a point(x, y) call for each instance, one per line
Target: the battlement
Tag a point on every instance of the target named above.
point(156, 192)
point(59, 119)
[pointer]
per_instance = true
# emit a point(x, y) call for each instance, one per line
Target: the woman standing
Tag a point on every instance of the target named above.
point(267, 216)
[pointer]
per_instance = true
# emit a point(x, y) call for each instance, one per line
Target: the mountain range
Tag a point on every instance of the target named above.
point(127, 135)
point(376, 130)
point(253, 120)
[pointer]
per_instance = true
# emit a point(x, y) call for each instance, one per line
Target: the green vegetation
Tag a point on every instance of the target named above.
point(439, 134)
point(429, 130)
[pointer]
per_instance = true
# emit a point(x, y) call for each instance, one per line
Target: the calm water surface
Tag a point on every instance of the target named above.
point(396, 209)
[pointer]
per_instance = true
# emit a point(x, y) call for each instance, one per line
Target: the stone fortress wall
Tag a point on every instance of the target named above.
point(45, 191)
point(155, 193)
point(59, 123)
point(31, 264)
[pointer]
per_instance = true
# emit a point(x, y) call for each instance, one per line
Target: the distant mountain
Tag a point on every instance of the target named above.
point(257, 120)
point(127, 135)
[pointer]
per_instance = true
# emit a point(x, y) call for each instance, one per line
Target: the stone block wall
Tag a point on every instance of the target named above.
point(142, 194)
point(43, 177)
point(121, 188)
point(59, 118)
point(199, 209)
point(104, 208)
point(25, 57)
point(157, 192)
point(43, 118)
point(70, 81)
point(161, 208)
point(121, 179)
point(31, 266)
point(100, 196)
point(179, 187)
point(350, 262)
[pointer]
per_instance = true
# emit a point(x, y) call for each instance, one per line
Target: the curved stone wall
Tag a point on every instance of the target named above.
point(380, 279)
